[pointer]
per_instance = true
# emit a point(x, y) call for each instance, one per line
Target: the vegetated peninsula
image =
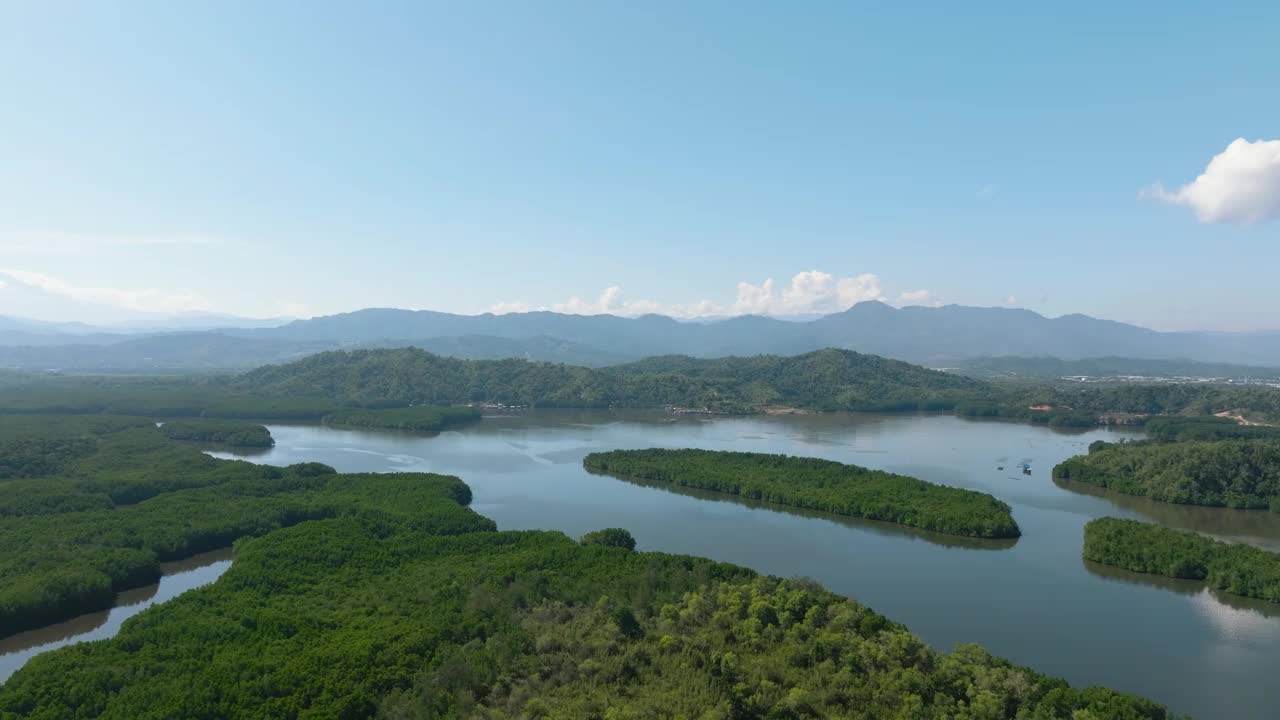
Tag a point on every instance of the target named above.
point(386, 596)
point(1227, 473)
point(419, 418)
point(816, 484)
point(227, 432)
point(103, 518)
point(1147, 548)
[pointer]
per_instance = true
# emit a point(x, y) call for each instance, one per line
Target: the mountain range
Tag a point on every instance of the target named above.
point(933, 336)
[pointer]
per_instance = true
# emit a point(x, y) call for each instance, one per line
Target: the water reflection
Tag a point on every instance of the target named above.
point(1260, 528)
point(1206, 595)
point(877, 527)
point(177, 577)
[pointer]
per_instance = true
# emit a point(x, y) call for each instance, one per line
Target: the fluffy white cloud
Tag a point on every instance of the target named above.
point(1240, 185)
point(1011, 300)
point(917, 297)
point(610, 302)
point(143, 300)
point(812, 291)
point(809, 292)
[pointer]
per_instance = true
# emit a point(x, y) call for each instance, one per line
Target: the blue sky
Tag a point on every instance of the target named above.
point(308, 158)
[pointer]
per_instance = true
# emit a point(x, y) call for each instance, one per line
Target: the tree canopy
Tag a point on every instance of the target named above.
point(227, 432)
point(1228, 473)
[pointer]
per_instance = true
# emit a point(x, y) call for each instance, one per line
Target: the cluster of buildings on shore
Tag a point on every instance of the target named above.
point(1171, 380)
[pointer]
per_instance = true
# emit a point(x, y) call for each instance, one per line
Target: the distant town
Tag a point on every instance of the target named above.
point(1171, 380)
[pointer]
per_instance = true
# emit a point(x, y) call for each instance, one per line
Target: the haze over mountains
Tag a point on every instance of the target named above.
point(934, 336)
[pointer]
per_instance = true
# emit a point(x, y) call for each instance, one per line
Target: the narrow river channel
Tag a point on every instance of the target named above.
point(177, 578)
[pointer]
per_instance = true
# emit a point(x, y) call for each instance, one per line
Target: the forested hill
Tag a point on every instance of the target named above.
point(824, 379)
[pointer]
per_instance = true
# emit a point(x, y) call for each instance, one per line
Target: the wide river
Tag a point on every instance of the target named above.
point(1033, 600)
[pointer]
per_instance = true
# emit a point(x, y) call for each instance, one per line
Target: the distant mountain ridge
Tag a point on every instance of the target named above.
point(940, 336)
point(916, 334)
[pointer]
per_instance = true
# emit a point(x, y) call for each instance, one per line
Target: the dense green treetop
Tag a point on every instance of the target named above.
point(346, 618)
point(1259, 402)
point(817, 484)
point(826, 379)
point(227, 432)
point(1177, 428)
point(612, 537)
point(1147, 548)
point(1230, 473)
point(108, 517)
point(39, 446)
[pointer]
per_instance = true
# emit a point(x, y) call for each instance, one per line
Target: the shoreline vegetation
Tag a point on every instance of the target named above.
point(385, 595)
point(815, 484)
point(1241, 474)
point(1148, 548)
point(111, 500)
point(226, 432)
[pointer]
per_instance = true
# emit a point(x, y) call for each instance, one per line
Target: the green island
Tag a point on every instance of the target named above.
point(1241, 474)
point(1147, 548)
point(226, 432)
point(816, 484)
point(354, 596)
point(419, 418)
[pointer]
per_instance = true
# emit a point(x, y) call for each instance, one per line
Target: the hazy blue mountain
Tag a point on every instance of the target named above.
point(941, 336)
point(222, 351)
point(918, 334)
point(19, 331)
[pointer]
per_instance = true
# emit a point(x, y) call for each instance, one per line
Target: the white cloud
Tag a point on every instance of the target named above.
point(610, 302)
point(503, 308)
point(917, 297)
point(143, 299)
point(811, 291)
point(1011, 300)
point(1240, 185)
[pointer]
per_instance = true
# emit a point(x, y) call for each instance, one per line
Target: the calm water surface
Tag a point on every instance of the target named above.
point(178, 577)
point(1033, 600)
